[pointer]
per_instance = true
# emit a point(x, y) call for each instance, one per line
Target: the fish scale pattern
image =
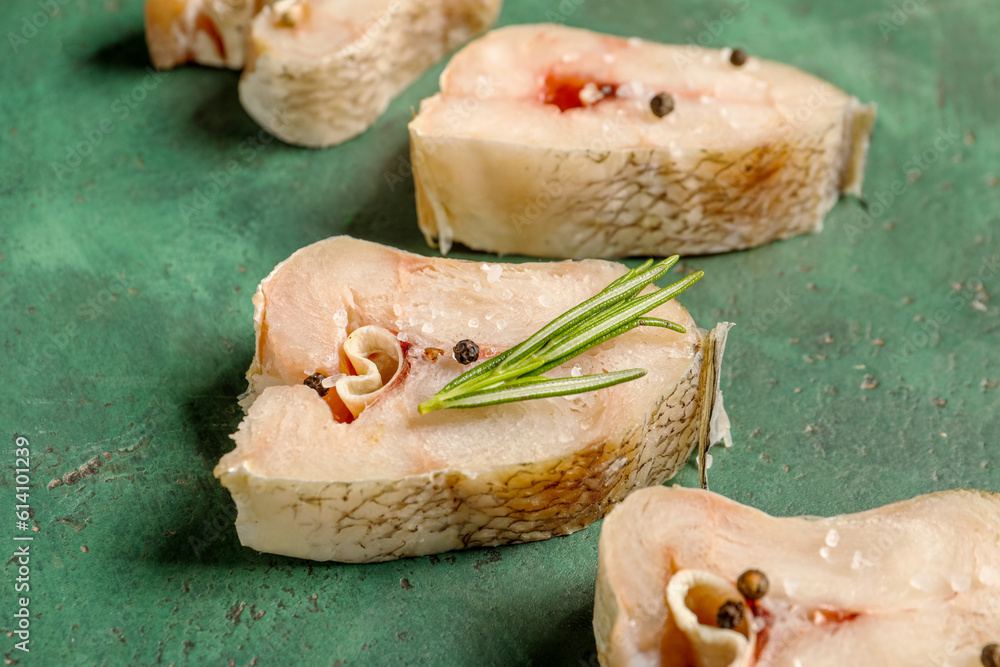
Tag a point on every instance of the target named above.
point(331, 95)
point(749, 154)
point(377, 520)
point(638, 201)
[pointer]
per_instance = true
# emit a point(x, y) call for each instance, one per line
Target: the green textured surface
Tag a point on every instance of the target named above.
point(127, 328)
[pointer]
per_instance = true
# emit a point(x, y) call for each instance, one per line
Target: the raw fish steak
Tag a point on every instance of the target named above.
point(558, 142)
point(358, 475)
point(319, 72)
point(912, 583)
point(208, 32)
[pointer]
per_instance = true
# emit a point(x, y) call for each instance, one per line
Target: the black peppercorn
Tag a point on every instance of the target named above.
point(990, 656)
point(753, 584)
point(738, 58)
point(661, 104)
point(466, 351)
point(730, 615)
point(315, 381)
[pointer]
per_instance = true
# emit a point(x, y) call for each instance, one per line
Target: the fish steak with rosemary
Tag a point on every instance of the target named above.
point(400, 405)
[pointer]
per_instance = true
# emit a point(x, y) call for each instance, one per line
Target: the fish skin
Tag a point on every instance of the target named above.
point(411, 485)
point(316, 85)
point(877, 560)
point(497, 169)
point(323, 97)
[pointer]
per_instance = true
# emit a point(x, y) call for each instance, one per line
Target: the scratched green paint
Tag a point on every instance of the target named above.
point(127, 329)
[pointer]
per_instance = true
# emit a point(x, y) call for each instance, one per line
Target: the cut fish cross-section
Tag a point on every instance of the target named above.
point(362, 476)
point(912, 583)
point(320, 72)
point(544, 141)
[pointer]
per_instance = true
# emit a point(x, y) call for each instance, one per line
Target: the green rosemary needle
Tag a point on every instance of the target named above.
point(516, 375)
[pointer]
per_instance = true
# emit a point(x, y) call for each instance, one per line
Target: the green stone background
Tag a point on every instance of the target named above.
point(127, 328)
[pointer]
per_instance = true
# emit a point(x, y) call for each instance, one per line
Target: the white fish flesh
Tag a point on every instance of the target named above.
point(319, 72)
point(543, 142)
point(208, 32)
point(911, 583)
point(359, 475)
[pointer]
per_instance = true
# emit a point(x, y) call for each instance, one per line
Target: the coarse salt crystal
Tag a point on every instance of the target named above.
point(825, 553)
point(402, 336)
point(545, 300)
point(474, 323)
point(427, 328)
point(922, 582)
point(859, 561)
point(397, 310)
point(576, 371)
point(960, 583)
point(501, 325)
point(989, 576)
point(494, 273)
point(589, 94)
point(340, 318)
point(478, 286)
point(832, 538)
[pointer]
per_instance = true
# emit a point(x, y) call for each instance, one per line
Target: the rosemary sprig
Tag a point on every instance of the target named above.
point(516, 375)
